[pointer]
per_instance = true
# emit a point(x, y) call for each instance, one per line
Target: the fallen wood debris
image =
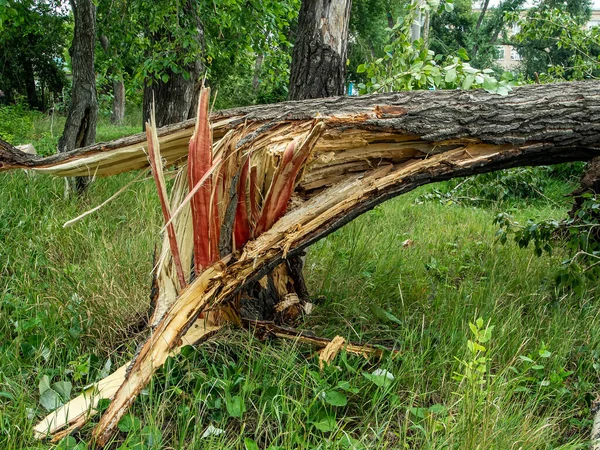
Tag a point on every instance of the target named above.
point(279, 177)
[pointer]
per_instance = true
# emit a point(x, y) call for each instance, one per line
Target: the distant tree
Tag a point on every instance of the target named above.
point(33, 34)
point(369, 20)
point(320, 51)
point(80, 127)
point(452, 29)
point(553, 39)
point(491, 29)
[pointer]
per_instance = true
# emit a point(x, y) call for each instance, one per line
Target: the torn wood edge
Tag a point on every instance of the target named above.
point(75, 413)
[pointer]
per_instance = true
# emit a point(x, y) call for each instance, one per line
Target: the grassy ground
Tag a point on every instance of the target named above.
point(70, 299)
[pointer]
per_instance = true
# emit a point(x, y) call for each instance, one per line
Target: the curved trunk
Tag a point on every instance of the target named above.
point(367, 150)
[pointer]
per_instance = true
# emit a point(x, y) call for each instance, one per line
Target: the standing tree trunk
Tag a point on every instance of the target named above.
point(80, 128)
point(29, 76)
point(176, 95)
point(118, 108)
point(318, 71)
point(319, 58)
point(415, 28)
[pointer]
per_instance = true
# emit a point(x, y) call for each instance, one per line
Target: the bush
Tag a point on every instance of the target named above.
point(17, 123)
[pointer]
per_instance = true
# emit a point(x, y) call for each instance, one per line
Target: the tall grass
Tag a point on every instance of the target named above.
point(70, 299)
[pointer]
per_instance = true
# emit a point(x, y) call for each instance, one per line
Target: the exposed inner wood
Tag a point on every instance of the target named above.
point(372, 149)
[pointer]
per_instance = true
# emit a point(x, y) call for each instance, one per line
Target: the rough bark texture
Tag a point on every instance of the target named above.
point(371, 149)
point(80, 127)
point(319, 58)
point(177, 98)
point(562, 115)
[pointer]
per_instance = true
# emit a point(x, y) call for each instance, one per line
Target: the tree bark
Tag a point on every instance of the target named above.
point(118, 109)
point(526, 117)
point(319, 57)
point(80, 127)
point(415, 29)
point(369, 149)
point(176, 97)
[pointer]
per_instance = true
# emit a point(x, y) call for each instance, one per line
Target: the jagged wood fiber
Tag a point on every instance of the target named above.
point(372, 148)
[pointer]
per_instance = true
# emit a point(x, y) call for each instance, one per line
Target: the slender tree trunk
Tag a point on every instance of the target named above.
point(257, 67)
point(415, 29)
point(80, 127)
point(118, 109)
point(482, 14)
point(319, 58)
point(29, 76)
point(426, 26)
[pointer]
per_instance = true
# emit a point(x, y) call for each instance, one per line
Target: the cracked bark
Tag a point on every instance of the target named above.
point(373, 148)
point(80, 127)
point(319, 57)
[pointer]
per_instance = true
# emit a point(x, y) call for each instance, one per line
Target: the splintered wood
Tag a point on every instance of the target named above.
point(283, 176)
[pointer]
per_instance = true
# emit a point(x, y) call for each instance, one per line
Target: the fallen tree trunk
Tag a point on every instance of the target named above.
point(562, 115)
point(361, 152)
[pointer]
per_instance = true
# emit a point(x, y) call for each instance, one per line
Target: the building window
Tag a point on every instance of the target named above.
point(500, 50)
point(514, 55)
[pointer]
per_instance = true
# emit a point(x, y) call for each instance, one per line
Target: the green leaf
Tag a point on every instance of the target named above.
point(468, 82)
point(490, 84)
point(462, 54)
point(382, 315)
point(129, 423)
point(336, 398)
point(326, 424)
point(250, 444)
point(418, 412)
point(449, 7)
point(450, 76)
point(545, 353)
point(165, 78)
point(379, 377)
point(235, 406)
point(63, 388)
point(50, 400)
point(361, 68)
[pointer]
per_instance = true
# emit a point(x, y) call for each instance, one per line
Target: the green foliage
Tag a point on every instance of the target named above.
point(580, 234)
point(409, 65)
point(16, 123)
point(475, 367)
point(554, 41)
point(502, 187)
point(33, 35)
point(451, 30)
point(233, 35)
point(494, 29)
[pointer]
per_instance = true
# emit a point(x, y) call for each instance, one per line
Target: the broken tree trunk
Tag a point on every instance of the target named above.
point(359, 153)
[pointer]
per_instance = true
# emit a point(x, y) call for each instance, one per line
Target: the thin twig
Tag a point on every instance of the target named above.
point(105, 202)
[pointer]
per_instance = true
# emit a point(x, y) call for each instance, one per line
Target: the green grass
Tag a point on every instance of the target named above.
point(70, 299)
